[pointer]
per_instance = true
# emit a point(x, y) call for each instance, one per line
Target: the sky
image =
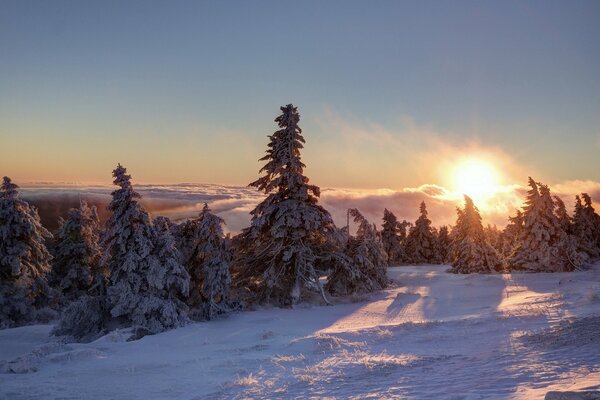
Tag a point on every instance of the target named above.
point(392, 94)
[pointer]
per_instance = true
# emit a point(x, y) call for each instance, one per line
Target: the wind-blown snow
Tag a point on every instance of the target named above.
point(433, 335)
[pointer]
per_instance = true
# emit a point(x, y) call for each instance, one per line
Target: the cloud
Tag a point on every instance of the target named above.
point(403, 153)
point(234, 203)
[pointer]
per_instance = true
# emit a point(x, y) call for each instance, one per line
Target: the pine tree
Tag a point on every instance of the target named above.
point(585, 227)
point(77, 252)
point(564, 220)
point(494, 237)
point(291, 238)
point(367, 264)
point(569, 244)
point(390, 236)
point(471, 253)
point(403, 228)
point(420, 242)
point(511, 234)
point(147, 281)
point(24, 259)
point(443, 244)
point(542, 243)
point(207, 256)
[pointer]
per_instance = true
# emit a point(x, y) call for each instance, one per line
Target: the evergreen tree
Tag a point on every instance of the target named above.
point(570, 244)
point(403, 229)
point(290, 241)
point(420, 242)
point(542, 245)
point(511, 234)
point(494, 237)
point(207, 256)
point(443, 244)
point(585, 227)
point(24, 259)
point(147, 280)
point(390, 236)
point(367, 264)
point(470, 251)
point(77, 252)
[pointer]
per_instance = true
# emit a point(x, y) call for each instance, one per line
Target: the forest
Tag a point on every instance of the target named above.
point(154, 274)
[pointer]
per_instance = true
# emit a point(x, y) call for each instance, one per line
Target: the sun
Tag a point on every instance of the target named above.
point(476, 178)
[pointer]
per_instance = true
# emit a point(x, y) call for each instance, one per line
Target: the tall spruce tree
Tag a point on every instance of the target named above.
point(542, 244)
point(77, 252)
point(420, 242)
point(24, 259)
point(147, 281)
point(390, 236)
point(207, 255)
point(366, 271)
point(470, 250)
point(291, 238)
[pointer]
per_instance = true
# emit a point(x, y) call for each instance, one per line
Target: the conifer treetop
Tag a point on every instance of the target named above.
point(284, 168)
point(9, 189)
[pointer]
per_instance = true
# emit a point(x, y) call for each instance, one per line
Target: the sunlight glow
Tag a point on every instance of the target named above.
point(476, 178)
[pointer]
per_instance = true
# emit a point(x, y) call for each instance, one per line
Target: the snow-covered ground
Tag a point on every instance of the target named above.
point(432, 335)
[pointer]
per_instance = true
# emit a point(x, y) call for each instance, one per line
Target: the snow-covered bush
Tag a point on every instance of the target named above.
point(420, 242)
point(470, 250)
point(24, 258)
point(282, 255)
point(365, 268)
point(147, 281)
point(77, 252)
point(84, 319)
point(207, 256)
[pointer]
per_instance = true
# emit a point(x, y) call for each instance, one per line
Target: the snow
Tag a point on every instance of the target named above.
point(430, 335)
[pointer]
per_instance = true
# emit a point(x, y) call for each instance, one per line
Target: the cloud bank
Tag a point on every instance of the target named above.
point(234, 203)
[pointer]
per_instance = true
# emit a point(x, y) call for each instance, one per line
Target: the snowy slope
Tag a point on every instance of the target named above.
point(435, 335)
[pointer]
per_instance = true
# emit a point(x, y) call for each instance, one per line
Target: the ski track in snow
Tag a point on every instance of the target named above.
point(431, 335)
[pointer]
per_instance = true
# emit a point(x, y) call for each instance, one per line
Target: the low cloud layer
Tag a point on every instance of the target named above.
point(234, 203)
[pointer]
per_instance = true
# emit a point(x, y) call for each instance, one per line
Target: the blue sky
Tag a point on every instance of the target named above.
point(187, 91)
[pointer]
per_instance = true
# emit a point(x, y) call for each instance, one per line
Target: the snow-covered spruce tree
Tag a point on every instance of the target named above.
point(403, 229)
point(542, 243)
point(471, 253)
point(564, 220)
point(569, 244)
point(511, 234)
point(24, 259)
point(207, 256)
point(367, 270)
point(77, 252)
point(420, 242)
point(390, 237)
point(443, 244)
point(493, 236)
point(147, 281)
point(290, 242)
point(585, 227)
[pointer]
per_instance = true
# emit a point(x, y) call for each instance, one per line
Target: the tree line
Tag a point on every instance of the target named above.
point(542, 237)
point(152, 274)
